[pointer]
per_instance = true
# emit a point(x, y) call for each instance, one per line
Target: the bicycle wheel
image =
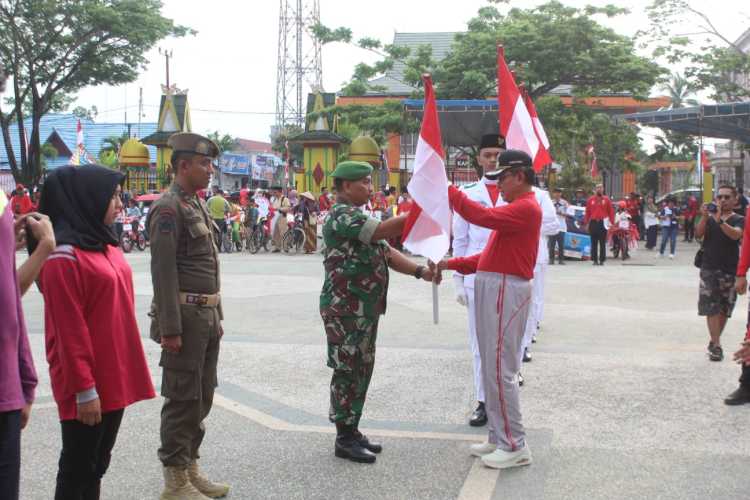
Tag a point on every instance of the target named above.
point(257, 241)
point(126, 243)
point(287, 242)
point(141, 243)
point(299, 240)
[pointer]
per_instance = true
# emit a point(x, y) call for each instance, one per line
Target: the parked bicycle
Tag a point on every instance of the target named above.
point(294, 238)
point(259, 237)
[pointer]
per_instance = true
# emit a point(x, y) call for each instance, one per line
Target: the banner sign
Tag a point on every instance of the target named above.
point(234, 164)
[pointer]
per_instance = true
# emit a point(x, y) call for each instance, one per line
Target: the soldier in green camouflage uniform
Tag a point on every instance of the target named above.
point(356, 263)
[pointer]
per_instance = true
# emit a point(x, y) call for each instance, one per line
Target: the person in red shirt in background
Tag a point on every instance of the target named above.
point(406, 204)
point(20, 202)
point(96, 360)
point(691, 212)
point(502, 292)
point(244, 197)
point(324, 200)
point(633, 205)
point(742, 394)
point(598, 208)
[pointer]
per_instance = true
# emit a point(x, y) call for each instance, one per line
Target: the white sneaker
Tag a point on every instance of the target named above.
point(671, 256)
point(482, 449)
point(501, 459)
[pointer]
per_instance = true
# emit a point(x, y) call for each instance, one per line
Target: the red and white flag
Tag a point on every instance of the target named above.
point(515, 120)
point(542, 157)
point(594, 166)
point(428, 227)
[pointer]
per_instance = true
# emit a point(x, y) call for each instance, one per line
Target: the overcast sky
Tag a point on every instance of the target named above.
point(229, 67)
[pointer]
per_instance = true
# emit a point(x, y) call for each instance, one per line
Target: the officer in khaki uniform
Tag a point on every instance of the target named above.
point(186, 315)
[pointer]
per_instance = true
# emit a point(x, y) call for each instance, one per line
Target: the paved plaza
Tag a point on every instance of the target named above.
point(620, 401)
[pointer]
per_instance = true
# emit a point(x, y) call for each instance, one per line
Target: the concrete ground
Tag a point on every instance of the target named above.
point(620, 401)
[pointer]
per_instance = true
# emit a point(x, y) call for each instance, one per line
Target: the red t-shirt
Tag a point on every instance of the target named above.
point(514, 242)
point(244, 197)
point(405, 207)
point(324, 203)
point(599, 208)
point(90, 329)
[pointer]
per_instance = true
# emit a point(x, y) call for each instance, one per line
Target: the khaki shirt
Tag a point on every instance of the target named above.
point(184, 257)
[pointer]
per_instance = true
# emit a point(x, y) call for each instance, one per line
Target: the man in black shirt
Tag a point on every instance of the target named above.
point(721, 231)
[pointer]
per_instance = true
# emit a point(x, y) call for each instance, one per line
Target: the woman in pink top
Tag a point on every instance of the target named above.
point(96, 360)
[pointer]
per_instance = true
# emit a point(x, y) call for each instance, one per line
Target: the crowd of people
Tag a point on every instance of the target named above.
point(506, 229)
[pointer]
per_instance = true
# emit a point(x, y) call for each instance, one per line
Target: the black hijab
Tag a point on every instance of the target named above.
point(76, 200)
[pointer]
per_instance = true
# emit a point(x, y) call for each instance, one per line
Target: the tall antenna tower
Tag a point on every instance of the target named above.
point(300, 64)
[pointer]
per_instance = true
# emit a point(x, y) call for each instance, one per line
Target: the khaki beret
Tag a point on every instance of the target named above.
point(352, 170)
point(186, 142)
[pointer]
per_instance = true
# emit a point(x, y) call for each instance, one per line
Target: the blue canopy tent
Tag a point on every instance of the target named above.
point(722, 121)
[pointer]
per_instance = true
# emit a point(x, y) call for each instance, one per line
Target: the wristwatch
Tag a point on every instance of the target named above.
point(721, 221)
point(418, 272)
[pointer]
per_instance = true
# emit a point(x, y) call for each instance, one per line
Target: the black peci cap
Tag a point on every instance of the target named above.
point(492, 141)
point(511, 158)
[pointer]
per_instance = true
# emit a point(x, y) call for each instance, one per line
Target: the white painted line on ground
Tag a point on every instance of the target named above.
point(480, 483)
point(277, 424)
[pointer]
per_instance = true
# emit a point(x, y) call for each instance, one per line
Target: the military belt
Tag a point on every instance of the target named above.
point(200, 299)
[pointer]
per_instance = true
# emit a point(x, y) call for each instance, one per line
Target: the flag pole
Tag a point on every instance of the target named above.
point(435, 310)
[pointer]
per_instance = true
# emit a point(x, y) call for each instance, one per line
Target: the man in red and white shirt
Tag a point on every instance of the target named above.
point(598, 209)
point(502, 294)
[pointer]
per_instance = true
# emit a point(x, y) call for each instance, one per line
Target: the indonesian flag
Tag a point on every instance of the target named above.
point(80, 153)
point(594, 167)
point(428, 227)
point(515, 121)
point(542, 157)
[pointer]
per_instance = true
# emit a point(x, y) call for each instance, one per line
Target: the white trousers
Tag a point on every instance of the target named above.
point(537, 304)
point(502, 308)
point(474, 343)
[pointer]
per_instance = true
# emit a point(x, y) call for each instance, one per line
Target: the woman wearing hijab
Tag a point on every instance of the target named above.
point(96, 360)
point(309, 209)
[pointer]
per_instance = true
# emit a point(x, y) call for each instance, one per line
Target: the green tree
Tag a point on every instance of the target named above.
point(225, 142)
point(110, 149)
point(52, 49)
point(280, 142)
point(87, 113)
point(548, 46)
point(681, 34)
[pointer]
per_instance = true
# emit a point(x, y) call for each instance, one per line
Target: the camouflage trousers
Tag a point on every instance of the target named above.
point(351, 354)
point(717, 294)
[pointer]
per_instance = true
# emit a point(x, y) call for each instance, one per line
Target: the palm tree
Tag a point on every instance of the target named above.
point(680, 91)
point(113, 143)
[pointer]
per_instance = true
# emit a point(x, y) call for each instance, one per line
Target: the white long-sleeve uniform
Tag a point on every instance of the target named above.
point(550, 227)
point(469, 239)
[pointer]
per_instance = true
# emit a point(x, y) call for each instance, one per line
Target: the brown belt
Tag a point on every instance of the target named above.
point(200, 299)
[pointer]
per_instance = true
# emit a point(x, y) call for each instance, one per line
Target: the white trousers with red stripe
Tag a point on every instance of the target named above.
point(537, 305)
point(502, 307)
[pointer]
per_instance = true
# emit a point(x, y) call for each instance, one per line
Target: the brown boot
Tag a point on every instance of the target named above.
point(177, 485)
point(205, 485)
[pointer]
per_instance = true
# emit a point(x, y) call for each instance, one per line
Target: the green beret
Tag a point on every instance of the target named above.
point(352, 170)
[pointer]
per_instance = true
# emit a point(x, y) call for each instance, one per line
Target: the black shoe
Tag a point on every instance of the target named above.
point(596, 263)
point(366, 443)
point(526, 356)
point(520, 380)
point(479, 417)
point(716, 354)
point(561, 262)
point(739, 397)
point(347, 446)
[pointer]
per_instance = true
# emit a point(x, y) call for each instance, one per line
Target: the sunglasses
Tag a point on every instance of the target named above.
point(724, 197)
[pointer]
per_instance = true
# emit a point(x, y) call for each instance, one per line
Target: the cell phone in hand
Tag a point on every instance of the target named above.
point(31, 241)
point(713, 208)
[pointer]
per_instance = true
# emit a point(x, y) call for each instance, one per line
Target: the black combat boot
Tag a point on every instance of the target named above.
point(479, 417)
point(347, 446)
point(366, 443)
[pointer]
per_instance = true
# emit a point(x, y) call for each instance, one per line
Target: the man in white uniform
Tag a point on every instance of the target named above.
point(550, 227)
point(469, 239)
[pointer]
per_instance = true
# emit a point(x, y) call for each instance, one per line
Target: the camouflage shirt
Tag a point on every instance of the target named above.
point(356, 268)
